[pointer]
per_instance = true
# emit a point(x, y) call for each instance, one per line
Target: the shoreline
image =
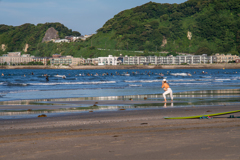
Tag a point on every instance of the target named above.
point(121, 67)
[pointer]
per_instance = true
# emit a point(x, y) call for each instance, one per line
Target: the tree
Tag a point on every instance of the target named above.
point(172, 53)
point(203, 50)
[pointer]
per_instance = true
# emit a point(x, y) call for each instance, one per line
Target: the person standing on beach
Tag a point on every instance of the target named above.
point(167, 90)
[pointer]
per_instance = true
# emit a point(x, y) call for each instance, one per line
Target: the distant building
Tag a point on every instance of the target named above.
point(110, 60)
point(189, 59)
point(62, 60)
point(57, 59)
point(222, 58)
point(237, 60)
point(85, 37)
point(15, 58)
point(44, 60)
point(74, 38)
point(77, 61)
point(93, 61)
point(62, 40)
point(56, 55)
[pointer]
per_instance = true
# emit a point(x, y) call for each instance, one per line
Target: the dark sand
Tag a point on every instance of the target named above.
point(125, 134)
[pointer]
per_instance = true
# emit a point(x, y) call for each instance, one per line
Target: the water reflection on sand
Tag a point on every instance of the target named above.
point(54, 107)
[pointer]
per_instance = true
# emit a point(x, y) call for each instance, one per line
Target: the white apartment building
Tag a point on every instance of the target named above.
point(110, 60)
point(189, 59)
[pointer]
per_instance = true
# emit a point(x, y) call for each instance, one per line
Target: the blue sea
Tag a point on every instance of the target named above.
point(28, 84)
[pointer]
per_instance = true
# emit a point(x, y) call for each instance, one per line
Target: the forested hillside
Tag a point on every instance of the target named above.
point(212, 25)
point(196, 26)
point(15, 38)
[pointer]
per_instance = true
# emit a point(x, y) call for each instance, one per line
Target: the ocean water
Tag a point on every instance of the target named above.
point(30, 84)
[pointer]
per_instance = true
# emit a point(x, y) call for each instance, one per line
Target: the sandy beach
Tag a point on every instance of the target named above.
point(124, 134)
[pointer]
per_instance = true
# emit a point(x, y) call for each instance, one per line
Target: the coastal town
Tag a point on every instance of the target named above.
point(16, 58)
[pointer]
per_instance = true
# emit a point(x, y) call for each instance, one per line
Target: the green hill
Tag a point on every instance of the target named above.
point(196, 26)
point(213, 24)
point(15, 38)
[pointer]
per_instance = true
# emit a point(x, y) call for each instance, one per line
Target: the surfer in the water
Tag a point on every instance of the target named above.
point(167, 90)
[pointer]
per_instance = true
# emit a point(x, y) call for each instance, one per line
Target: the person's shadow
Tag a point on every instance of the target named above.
point(165, 105)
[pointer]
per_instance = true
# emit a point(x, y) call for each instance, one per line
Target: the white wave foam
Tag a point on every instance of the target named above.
point(206, 76)
point(71, 83)
point(190, 83)
point(218, 81)
point(177, 80)
point(222, 79)
point(143, 81)
point(179, 74)
point(22, 91)
point(135, 85)
point(61, 76)
point(203, 79)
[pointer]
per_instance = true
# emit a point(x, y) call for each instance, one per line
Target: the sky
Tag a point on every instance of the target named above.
point(84, 16)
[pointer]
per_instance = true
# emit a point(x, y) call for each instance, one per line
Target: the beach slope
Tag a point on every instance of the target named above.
point(125, 134)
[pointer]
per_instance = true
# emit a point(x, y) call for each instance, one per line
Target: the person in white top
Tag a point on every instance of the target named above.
point(167, 90)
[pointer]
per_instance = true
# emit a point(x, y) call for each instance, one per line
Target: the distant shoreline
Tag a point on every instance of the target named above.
point(89, 67)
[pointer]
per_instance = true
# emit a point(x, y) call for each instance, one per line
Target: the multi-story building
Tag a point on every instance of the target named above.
point(110, 60)
point(188, 59)
point(44, 60)
point(63, 60)
point(15, 58)
point(77, 61)
point(222, 58)
point(57, 59)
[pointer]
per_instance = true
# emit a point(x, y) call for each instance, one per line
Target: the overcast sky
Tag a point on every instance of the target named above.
point(84, 16)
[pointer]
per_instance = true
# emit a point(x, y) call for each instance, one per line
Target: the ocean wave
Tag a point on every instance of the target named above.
point(218, 81)
point(22, 91)
point(18, 91)
point(179, 74)
point(135, 85)
point(14, 84)
point(203, 79)
point(205, 76)
point(177, 80)
point(71, 83)
point(222, 79)
point(59, 76)
point(143, 81)
point(190, 83)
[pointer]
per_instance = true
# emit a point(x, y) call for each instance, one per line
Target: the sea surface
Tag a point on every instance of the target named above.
point(31, 84)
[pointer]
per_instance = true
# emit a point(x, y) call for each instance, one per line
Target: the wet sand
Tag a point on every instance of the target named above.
point(71, 104)
point(124, 134)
